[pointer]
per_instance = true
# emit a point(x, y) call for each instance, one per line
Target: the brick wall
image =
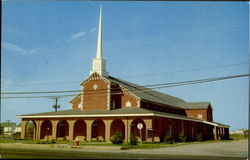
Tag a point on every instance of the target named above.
point(95, 95)
point(194, 113)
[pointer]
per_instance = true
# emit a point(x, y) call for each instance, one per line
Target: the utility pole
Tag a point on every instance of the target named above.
point(56, 105)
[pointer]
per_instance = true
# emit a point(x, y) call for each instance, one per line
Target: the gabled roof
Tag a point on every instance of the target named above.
point(153, 96)
point(148, 94)
point(195, 105)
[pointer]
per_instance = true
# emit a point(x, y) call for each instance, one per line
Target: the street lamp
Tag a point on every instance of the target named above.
point(47, 134)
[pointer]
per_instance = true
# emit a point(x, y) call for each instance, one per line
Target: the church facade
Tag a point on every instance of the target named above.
point(107, 105)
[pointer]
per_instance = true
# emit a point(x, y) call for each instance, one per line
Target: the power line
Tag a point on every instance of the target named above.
point(187, 70)
point(143, 75)
point(134, 89)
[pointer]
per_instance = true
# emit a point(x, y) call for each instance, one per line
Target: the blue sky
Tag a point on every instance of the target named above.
point(49, 46)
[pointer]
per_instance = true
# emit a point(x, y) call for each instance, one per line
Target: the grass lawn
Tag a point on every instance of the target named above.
point(144, 145)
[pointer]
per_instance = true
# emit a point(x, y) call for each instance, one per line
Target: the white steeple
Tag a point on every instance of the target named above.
point(99, 40)
point(99, 64)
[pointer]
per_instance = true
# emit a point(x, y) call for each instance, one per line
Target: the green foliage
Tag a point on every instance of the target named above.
point(53, 141)
point(182, 137)
point(47, 142)
point(199, 137)
point(133, 139)
point(237, 136)
point(17, 135)
point(168, 138)
point(30, 131)
point(8, 124)
point(1, 129)
point(117, 138)
point(246, 133)
point(126, 147)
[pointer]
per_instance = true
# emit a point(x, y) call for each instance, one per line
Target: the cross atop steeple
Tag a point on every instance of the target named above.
point(99, 64)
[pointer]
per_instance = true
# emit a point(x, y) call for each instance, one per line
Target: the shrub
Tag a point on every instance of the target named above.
point(53, 141)
point(117, 138)
point(182, 137)
point(17, 135)
point(133, 139)
point(199, 137)
point(168, 138)
point(245, 133)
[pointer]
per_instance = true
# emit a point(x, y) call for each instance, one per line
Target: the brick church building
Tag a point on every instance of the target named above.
point(107, 105)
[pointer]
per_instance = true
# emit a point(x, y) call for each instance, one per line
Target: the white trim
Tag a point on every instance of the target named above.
point(111, 115)
point(216, 125)
point(129, 93)
point(95, 76)
point(94, 115)
point(124, 115)
point(108, 96)
point(138, 103)
point(169, 116)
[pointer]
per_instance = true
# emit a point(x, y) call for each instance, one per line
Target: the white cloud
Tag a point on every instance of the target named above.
point(15, 48)
point(32, 51)
point(93, 30)
point(78, 35)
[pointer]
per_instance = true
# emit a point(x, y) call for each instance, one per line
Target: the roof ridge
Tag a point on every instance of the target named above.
point(148, 90)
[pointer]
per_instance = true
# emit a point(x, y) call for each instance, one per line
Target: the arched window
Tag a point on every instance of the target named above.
point(128, 104)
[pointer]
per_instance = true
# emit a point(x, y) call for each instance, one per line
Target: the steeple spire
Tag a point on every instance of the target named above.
point(99, 40)
point(99, 64)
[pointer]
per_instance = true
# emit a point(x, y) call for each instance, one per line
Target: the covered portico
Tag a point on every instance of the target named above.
point(94, 126)
point(102, 125)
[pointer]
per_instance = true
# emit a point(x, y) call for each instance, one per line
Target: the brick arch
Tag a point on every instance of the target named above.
point(79, 130)
point(136, 131)
point(117, 125)
point(46, 129)
point(62, 129)
point(30, 129)
point(98, 129)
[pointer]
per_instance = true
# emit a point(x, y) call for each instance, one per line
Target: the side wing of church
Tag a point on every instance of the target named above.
point(107, 105)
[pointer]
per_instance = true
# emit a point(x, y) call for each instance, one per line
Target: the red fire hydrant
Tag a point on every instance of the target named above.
point(77, 142)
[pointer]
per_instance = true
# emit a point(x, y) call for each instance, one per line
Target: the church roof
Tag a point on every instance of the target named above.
point(158, 97)
point(196, 105)
point(128, 111)
point(147, 94)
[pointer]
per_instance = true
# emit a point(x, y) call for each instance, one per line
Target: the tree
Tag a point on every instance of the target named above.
point(245, 133)
point(1, 129)
point(30, 130)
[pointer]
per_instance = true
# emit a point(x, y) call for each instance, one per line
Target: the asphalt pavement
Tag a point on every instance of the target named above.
point(207, 151)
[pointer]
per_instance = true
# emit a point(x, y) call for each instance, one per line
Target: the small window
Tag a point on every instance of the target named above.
point(150, 133)
point(199, 115)
point(113, 104)
point(128, 104)
point(170, 129)
point(192, 132)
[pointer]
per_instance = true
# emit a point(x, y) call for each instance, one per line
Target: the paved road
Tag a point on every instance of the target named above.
point(222, 150)
point(229, 148)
